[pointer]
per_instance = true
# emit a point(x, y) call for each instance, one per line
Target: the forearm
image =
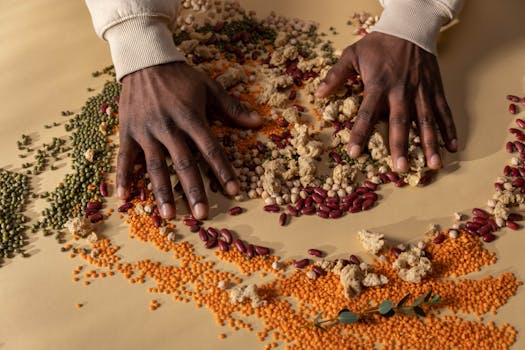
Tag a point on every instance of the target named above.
point(139, 32)
point(418, 21)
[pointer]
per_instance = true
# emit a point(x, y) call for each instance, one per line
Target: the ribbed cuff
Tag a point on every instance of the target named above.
point(141, 42)
point(416, 21)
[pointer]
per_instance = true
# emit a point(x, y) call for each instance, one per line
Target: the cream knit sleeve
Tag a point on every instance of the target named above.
point(139, 32)
point(418, 21)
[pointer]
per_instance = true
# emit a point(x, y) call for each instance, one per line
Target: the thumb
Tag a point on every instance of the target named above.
point(231, 110)
point(338, 74)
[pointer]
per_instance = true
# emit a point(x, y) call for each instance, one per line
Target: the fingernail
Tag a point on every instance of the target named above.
point(255, 116)
point(232, 187)
point(434, 161)
point(402, 164)
point(354, 152)
point(199, 211)
point(454, 144)
point(167, 211)
point(122, 193)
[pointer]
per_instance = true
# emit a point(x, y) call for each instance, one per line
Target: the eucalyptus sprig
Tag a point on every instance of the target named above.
point(386, 309)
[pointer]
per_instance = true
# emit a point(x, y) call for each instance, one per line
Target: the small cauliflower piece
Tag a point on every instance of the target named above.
point(412, 265)
point(373, 280)
point(239, 294)
point(231, 77)
point(90, 155)
point(351, 276)
point(373, 242)
point(79, 226)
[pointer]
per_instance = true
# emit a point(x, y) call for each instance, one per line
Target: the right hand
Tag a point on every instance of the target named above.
point(159, 107)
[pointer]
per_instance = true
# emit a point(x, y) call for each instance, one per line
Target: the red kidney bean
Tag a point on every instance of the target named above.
point(520, 136)
point(369, 184)
point(520, 123)
point(392, 176)
point(308, 211)
point(371, 195)
point(489, 237)
point(357, 202)
point(395, 251)
point(512, 225)
point(439, 238)
point(473, 225)
point(317, 198)
point(518, 182)
point(320, 192)
point(191, 222)
point(309, 190)
point(471, 231)
point(142, 195)
point(293, 95)
point(480, 212)
point(195, 228)
point(335, 214)
point(291, 211)
point(522, 171)
point(515, 217)
point(400, 183)
point(298, 108)
point(274, 208)
point(509, 147)
point(514, 172)
point(515, 131)
point(308, 202)
point(302, 263)
point(484, 230)
point(262, 250)
point(513, 109)
point(498, 187)
point(157, 221)
point(384, 178)
point(283, 218)
point(350, 198)
point(322, 214)
point(203, 235)
point(94, 205)
point(241, 247)
point(223, 246)
point(336, 157)
point(88, 212)
point(523, 101)
point(519, 146)
point(354, 260)
point(355, 209)
point(226, 235)
point(103, 189)
point(493, 225)
point(211, 243)
point(331, 205)
point(299, 204)
point(213, 232)
point(235, 211)
point(315, 252)
point(479, 220)
point(95, 217)
point(319, 271)
point(362, 190)
point(344, 207)
point(513, 98)
point(507, 170)
point(103, 107)
point(124, 207)
point(324, 207)
point(367, 204)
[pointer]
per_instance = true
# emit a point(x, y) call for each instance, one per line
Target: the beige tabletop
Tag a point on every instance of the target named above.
point(48, 50)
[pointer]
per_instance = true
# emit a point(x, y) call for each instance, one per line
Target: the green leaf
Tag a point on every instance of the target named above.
point(407, 310)
point(389, 313)
point(318, 318)
point(403, 300)
point(436, 299)
point(385, 307)
point(419, 311)
point(347, 317)
point(419, 300)
point(429, 294)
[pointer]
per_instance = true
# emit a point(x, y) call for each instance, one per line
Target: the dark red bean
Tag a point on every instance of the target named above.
point(479, 220)
point(157, 221)
point(513, 109)
point(367, 204)
point(440, 238)
point(518, 182)
point(355, 209)
point(95, 217)
point(262, 250)
point(362, 190)
point(354, 260)
point(235, 211)
point(512, 225)
point(324, 207)
point(369, 184)
point(513, 98)
point(195, 228)
point(498, 187)
point(471, 231)
point(213, 232)
point(319, 271)
point(392, 176)
point(308, 211)
point(336, 157)
point(484, 230)
point(371, 195)
point(473, 225)
point(293, 95)
point(274, 208)
point(142, 195)
point(103, 189)
point(395, 251)
point(298, 108)
point(400, 183)
point(241, 247)
point(299, 204)
point(493, 225)
point(509, 147)
point(302, 263)
point(317, 198)
point(515, 131)
point(350, 198)
point(211, 243)
point(191, 222)
point(480, 212)
point(519, 147)
point(283, 218)
point(489, 237)
point(125, 207)
point(223, 246)
point(515, 217)
point(308, 202)
point(344, 207)
point(384, 179)
point(320, 192)
point(322, 214)
point(203, 235)
point(520, 123)
point(103, 107)
point(292, 211)
point(315, 252)
point(226, 235)
point(514, 172)
point(335, 214)
point(94, 205)
point(88, 212)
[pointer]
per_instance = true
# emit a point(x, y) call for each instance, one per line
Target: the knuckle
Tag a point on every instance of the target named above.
point(430, 144)
point(182, 165)
point(399, 120)
point(426, 121)
point(398, 146)
point(364, 115)
point(225, 174)
point(212, 151)
point(195, 194)
point(233, 107)
point(155, 164)
point(164, 194)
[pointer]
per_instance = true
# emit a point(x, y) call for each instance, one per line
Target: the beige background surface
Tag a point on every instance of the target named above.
point(47, 52)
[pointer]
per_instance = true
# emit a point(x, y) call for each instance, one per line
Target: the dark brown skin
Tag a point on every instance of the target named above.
point(402, 83)
point(160, 108)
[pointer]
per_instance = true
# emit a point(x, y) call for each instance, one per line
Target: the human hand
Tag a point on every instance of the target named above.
point(402, 83)
point(160, 107)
